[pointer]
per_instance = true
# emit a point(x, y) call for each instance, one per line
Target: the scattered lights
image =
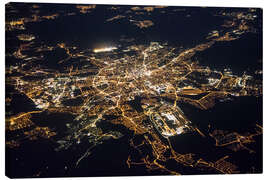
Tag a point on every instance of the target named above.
point(107, 49)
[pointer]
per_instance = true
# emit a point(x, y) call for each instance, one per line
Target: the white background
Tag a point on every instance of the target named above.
point(214, 3)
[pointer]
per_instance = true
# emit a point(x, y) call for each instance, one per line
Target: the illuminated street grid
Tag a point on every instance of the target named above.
point(112, 77)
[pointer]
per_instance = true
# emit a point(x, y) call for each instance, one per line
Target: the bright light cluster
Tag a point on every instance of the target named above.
point(106, 49)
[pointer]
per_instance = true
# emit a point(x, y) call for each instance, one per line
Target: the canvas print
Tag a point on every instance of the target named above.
point(125, 90)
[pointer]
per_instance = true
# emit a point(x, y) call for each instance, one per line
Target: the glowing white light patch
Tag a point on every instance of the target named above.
point(107, 49)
